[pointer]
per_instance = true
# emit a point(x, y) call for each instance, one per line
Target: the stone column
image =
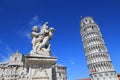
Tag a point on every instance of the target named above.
point(30, 72)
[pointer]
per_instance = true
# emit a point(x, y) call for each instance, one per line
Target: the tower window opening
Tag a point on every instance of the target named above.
point(15, 59)
point(90, 21)
point(83, 23)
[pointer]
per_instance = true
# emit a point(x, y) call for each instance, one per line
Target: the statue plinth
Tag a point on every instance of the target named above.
point(40, 60)
point(40, 53)
point(40, 66)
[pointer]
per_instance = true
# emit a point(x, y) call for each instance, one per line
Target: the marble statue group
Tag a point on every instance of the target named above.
point(40, 40)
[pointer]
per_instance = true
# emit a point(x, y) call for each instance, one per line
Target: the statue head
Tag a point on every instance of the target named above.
point(52, 29)
point(35, 28)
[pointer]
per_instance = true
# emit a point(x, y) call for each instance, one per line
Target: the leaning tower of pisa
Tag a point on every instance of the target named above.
point(98, 59)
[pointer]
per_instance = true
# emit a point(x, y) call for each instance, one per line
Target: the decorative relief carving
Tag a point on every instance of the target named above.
point(40, 73)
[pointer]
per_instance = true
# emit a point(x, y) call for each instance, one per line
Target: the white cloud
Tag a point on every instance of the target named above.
point(9, 50)
point(5, 55)
point(72, 62)
point(5, 59)
point(34, 21)
point(28, 35)
point(68, 69)
point(26, 30)
point(35, 18)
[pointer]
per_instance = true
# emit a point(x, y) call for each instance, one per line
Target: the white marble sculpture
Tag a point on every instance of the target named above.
point(40, 40)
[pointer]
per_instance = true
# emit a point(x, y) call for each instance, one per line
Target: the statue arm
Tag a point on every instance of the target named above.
point(35, 34)
point(46, 31)
point(51, 29)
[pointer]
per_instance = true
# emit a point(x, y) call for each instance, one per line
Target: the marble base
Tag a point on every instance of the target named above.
point(40, 67)
point(40, 53)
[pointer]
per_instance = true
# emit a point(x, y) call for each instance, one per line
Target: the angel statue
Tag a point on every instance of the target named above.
point(40, 40)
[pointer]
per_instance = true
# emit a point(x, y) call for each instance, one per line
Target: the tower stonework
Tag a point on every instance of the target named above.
point(98, 59)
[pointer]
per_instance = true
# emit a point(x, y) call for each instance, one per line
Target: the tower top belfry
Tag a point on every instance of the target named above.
point(86, 20)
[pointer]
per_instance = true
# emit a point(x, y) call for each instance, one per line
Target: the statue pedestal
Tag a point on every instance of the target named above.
point(40, 53)
point(39, 67)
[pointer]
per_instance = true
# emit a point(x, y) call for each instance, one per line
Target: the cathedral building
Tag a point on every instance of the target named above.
point(98, 60)
point(39, 64)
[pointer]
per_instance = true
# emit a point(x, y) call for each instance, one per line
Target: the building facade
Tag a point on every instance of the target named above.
point(98, 59)
point(16, 69)
point(39, 64)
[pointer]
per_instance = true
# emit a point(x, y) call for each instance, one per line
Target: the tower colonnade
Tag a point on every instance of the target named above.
point(98, 59)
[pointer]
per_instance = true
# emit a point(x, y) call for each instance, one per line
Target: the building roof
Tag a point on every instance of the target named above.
point(118, 75)
point(59, 65)
point(84, 79)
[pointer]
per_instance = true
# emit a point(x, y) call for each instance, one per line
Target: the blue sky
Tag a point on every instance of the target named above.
point(18, 16)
